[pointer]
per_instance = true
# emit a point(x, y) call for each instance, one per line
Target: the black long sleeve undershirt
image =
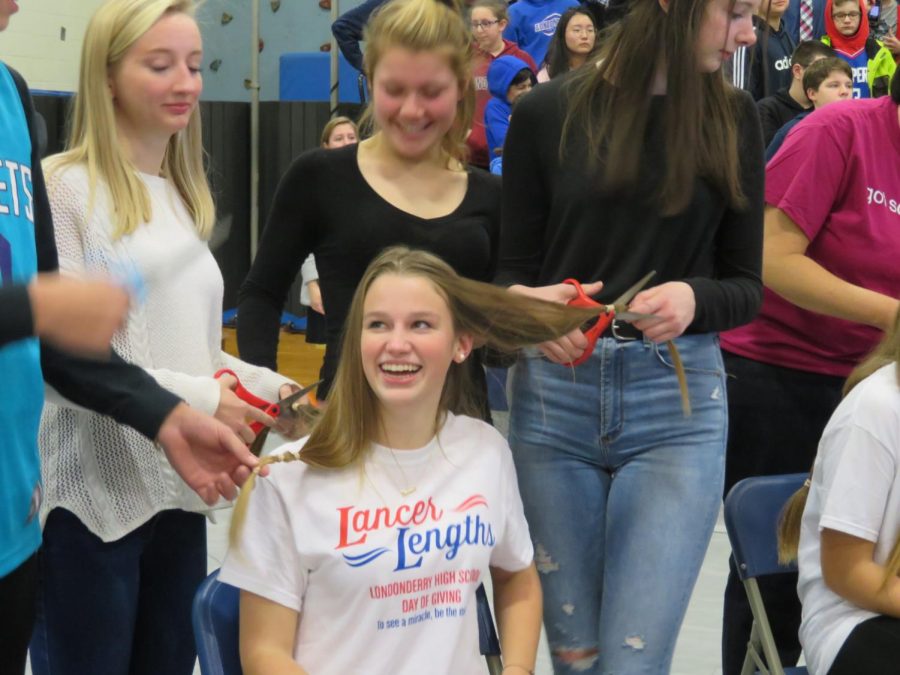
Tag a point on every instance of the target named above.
point(323, 205)
point(557, 223)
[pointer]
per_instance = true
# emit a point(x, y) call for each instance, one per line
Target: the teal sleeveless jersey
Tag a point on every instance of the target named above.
point(22, 393)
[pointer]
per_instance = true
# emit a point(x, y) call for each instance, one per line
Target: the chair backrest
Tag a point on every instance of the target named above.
point(215, 619)
point(752, 509)
point(215, 615)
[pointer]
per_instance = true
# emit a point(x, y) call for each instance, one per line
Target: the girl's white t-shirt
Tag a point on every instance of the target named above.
point(385, 583)
point(856, 490)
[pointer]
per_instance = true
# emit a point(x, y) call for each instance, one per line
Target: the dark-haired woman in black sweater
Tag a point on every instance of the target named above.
point(645, 162)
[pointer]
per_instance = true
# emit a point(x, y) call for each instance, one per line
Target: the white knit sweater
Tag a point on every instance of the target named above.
point(108, 475)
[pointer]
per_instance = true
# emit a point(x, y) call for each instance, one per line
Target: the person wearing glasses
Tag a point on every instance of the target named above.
point(847, 32)
point(572, 44)
point(488, 20)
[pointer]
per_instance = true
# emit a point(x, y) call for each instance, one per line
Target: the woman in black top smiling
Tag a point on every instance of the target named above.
point(407, 184)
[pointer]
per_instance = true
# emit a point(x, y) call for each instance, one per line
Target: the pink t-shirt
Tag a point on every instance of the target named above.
point(838, 177)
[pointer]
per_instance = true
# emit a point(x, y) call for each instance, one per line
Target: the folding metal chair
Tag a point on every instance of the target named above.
point(215, 619)
point(752, 509)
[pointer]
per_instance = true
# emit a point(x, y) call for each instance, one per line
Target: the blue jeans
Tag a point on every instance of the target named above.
point(621, 493)
point(120, 607)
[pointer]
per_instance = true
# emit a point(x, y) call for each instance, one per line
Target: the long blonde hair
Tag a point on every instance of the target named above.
point(93, 137)
point(426, 26)
point(493, 316)
point(886, 353)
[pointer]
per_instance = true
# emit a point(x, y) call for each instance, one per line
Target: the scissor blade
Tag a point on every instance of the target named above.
point(285, 405)
point(256, 447)
point(634, 316)
point(626, 297)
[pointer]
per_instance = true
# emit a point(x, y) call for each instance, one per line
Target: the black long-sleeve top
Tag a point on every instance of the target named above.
point(323, 205)
point(775, 111)
point(114, 387)
point(17, 321)
point(557, 223)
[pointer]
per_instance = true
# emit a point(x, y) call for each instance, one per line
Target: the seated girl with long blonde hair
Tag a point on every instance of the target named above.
point(849, 534)
point(363, 556)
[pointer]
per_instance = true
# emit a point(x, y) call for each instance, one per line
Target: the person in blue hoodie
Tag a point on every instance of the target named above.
point(533, 22)
point(509, 78)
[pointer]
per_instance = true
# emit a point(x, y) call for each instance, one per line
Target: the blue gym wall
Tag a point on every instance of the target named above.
point(298, 26)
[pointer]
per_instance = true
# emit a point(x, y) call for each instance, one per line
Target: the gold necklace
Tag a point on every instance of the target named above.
point(409, 486)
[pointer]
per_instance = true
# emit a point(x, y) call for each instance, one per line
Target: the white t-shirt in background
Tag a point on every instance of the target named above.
point(385, 583)
point(856, 490)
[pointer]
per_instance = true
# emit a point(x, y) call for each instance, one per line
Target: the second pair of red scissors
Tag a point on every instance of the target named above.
point(277, 409)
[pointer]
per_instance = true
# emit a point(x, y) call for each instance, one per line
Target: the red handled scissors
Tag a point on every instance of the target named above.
point(617, 310)
point(279, 409)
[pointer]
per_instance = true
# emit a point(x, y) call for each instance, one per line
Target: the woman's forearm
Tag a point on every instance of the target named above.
point(848, 569)
point(788, 271)
point(267, 633)
point(807, 284)
point(518, 606)
point(863, 586)
point(270, 662)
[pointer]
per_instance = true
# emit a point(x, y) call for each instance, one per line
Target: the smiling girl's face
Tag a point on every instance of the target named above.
point(414, 100)
point(407, 344)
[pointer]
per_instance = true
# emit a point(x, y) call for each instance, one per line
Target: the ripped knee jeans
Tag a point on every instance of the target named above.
point(621, 492)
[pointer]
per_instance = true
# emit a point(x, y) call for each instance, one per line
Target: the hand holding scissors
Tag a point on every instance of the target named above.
point(673, 307)
point(571, 345)
point(618, 310)
point(285, 413)
point(670, 299)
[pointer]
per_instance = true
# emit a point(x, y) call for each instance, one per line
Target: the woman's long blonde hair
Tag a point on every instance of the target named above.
point(426, 26)
point(493, 316)
point(886, 353)
point(93, 137)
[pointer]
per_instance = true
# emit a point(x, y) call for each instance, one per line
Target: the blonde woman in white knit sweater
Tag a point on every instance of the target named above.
point(125, 542)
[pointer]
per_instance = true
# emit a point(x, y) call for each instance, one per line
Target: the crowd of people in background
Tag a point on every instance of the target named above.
point(746, 153)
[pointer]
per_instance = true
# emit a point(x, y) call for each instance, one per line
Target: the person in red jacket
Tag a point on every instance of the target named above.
point(488, 21)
